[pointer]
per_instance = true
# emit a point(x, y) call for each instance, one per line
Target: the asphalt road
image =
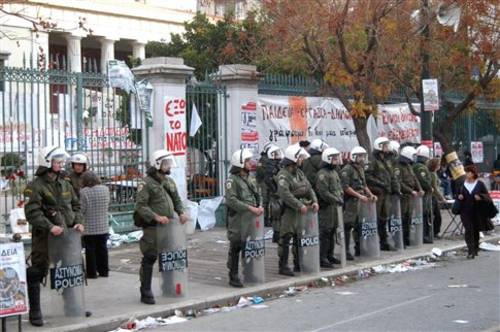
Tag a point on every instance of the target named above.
point(456, 295)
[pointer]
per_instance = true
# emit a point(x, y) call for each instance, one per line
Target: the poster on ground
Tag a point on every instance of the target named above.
point(13, 286)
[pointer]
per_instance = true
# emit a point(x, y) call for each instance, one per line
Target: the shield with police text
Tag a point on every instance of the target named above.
point(395, 225)
point(416, 225)
point(67, 273)
point(172, 258)
point(308, 242)
point(253, 252)
point(368, 234)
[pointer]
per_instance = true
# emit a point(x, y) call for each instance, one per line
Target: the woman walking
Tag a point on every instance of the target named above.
point(95, 199)
point(474, 199)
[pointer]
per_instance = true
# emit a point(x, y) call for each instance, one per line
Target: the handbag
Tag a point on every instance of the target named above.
point(456, 207)
point(489, 225)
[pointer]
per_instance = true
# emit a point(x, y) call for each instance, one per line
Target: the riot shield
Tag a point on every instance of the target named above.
point(309, 242)
point(252, 237)
point(395, 238)
point(67, 275)
point(416, 225)
point(172, 257)
point(340, 236)
point(427, 218)
point(368, 235)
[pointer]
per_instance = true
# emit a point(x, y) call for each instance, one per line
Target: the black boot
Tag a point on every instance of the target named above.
point(233, 264)
point(276, 236)
point(35, 314)
point(357, 250)
point(296, 263)
point(146, 274)
point(324, 246)
point(284, 252)
point(331, 248)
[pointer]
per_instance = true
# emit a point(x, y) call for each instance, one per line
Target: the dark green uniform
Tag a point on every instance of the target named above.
point(260, 176)
point(157, 195)
point(404, 175)
point(379, 177)
point(295, 191)
point(241, 193)
point(275, 204)
point(436, 198)
point(425, 179)
point(330, 197)
point(312, 166)
point(76, 181)
point(50, 201)
point(352, 175)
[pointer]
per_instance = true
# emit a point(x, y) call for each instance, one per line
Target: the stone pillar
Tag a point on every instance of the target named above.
point(74, 53)
point(241, 86)
point(168, 77)
point(107, 53)
point(139, 50)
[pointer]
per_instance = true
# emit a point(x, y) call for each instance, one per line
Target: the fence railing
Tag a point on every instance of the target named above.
point(77, 111)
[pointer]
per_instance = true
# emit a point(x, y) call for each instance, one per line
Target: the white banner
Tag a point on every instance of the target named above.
point(176, 139)
point(285, 120)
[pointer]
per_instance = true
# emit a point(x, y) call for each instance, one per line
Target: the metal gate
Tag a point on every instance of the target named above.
point(77, 111)
point(207, 161)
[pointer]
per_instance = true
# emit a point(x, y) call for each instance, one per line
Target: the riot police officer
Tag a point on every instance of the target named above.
point(260, 175)
point(241, 196)
point(275, 156)
point(379, 177)
point(157, 200)
point(79, 165)
point(424, 177)
point(297, 194)
point(409, 185)
point(355, 191)
point(312, 165)
point(51, 207)
point(330, 196)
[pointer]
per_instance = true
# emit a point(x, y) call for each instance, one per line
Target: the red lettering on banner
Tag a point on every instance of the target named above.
point(176, 142)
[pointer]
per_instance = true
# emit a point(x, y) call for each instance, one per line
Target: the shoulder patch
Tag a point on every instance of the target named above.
point(229, 184)
point(422, 174)
point(397, 172)
point(321, 177)
point(345, 174)
point(282, 182)
point(140, 186)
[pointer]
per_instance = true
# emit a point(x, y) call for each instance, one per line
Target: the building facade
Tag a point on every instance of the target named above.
point(83, 35)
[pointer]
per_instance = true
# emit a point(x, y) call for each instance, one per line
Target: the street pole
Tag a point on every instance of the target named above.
point(425, 116)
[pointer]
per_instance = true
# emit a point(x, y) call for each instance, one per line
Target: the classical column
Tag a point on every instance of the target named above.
point(107, 53)
point(139, 50)
point(74, 53)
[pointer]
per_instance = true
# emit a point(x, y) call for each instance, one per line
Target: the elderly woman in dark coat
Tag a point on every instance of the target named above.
point(474, 199)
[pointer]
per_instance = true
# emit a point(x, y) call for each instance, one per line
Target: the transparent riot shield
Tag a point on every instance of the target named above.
point(427, 218)
point(254, 249)
point(309, 242)
point(416, 225)
point(67, 275)
point(368, 235)
point(395, 225)
point(172, 258)
point(340, 236)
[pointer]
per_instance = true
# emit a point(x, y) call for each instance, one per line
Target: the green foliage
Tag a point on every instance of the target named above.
point(205, 45)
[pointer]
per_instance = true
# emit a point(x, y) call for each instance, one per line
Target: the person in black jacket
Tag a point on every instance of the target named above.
point(474, 197)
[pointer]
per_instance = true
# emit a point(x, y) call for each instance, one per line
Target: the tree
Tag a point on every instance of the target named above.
point(205, 45)
point(346, 43)
point(465, 62)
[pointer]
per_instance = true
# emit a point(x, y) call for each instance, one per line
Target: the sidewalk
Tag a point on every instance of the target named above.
point(115, 299)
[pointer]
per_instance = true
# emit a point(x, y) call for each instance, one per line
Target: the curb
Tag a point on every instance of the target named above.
point(263, 290)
